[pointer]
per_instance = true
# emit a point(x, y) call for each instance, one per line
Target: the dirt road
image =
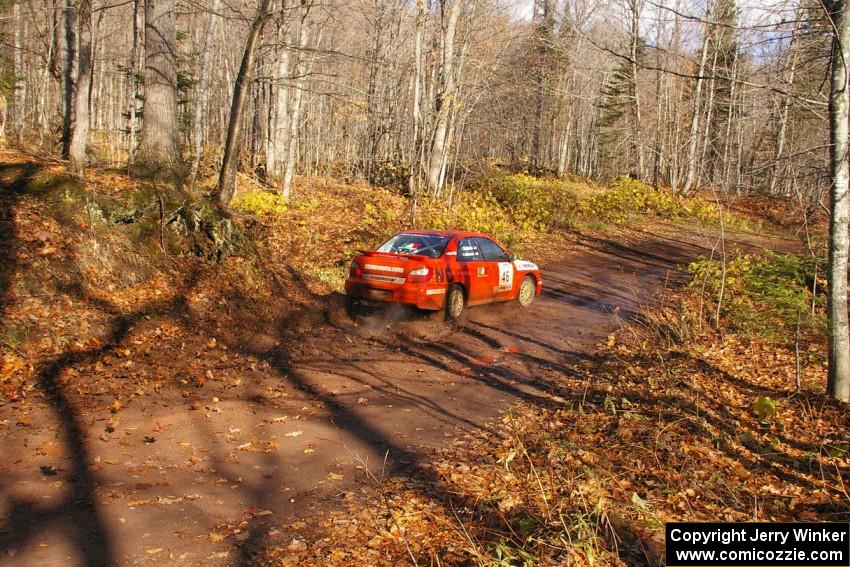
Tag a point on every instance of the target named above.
point(217, 472)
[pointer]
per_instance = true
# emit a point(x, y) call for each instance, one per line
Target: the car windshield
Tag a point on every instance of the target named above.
point(422, 244)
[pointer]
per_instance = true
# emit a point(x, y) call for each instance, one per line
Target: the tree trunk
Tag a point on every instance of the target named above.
point(133, 74)
point(227, 177)
point(68, 77)
point(20, 85)
point(82, 94)
point(415, 166)
point(790, 69)
point(301, 72)
point(57, 39)
point(160, 145)
point(256, 131)
point(727, 138)
point(545, 32)
point(375, 106)
point(277, 148)
point(444, 99)
point(202, 93)
point(660, 118)
point(2, 118)
point(637, 134)
point(707, 126)
point(691, 163)
point(676, 165)
point(838, 385)
point(658, 161)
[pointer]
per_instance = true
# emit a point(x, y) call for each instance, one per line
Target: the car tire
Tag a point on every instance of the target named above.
point(455, 303)
point(526, 293)
point(353, 307)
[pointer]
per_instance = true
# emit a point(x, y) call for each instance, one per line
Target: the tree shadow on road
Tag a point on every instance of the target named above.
point(77, 515)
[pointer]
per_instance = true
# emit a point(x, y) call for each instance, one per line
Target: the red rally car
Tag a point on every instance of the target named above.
point(433, 269)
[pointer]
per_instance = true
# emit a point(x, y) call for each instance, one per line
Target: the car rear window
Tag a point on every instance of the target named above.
point(421, 244)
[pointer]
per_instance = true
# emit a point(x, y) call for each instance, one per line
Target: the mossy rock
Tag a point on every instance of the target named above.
point(191, 225)
point(211, 232)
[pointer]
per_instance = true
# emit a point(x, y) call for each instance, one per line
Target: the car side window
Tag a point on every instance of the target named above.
point(467, 251)
point(491, 251)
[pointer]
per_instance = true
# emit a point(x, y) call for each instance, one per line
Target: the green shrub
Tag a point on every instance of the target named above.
point(260, 203)
point(765, 296)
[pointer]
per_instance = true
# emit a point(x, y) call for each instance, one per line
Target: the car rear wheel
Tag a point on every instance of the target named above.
point(525, 296)
point(455, 303)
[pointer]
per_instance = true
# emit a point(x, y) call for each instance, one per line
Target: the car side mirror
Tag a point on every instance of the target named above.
point(512, 257)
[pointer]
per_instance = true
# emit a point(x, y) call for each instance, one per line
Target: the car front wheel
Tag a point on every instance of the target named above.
point(525, 296)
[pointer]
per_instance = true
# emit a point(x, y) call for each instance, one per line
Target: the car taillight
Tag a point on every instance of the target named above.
point(354, 270)
point(419, 275)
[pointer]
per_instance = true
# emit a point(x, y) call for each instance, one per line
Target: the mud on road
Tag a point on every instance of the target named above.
point(212, 477)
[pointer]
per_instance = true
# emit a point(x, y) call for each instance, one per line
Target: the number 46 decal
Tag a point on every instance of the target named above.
point(506, 276)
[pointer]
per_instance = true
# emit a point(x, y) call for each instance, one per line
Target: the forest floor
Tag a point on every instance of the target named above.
point(190, 414)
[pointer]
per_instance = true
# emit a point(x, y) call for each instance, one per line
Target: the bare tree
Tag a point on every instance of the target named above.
point(277, 149)
point(82, 94)
point(202, 92)
point(693, 137)
point(19, 93)
point(133, 79)
point(838, 384)
point(68, 76)
point(302, 70)
point(415, 165)
point(160, 134)
point(790, 68)
point(545, 16)
point(635, 7)
point(445, 97)
point(227, 177)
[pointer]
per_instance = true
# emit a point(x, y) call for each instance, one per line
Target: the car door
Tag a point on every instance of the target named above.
point(474, 271)
point(499, 268)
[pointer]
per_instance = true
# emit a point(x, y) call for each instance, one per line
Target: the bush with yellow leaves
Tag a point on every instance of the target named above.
point(626, 197)
point(260, 203)
point(479, 212)
point(544, 201)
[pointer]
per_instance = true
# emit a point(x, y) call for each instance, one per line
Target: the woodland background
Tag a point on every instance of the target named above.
point(681, 94)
